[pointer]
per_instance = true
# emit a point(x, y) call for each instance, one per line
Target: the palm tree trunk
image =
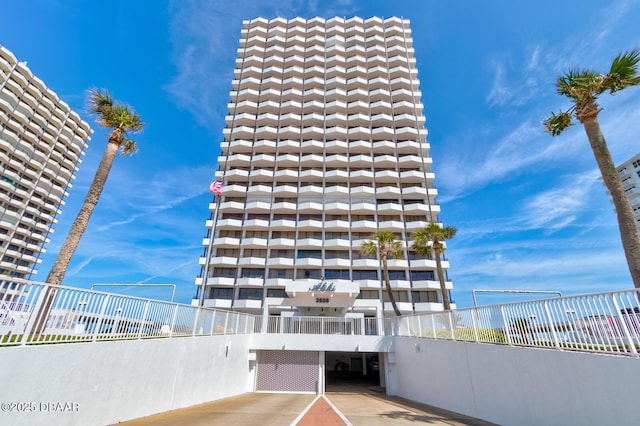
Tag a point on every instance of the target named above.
point(59, 268)
point(387, 283)
point(443, 287)
point(611, 178)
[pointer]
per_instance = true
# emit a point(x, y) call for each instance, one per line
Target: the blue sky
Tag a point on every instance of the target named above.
point(530, 210)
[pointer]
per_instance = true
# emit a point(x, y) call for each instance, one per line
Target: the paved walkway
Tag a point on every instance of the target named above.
point(362, 406)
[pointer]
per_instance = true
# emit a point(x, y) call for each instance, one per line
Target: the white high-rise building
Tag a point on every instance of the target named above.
point(324, 145)
point(630, 174)
point(41, 142)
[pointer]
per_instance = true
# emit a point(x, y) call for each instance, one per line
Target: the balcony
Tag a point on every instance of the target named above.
point(235, 190)
point(282, 242)
point(282, 207)
point(361, 176)
point(368, 264)
point(280, 261)
point(254, 242)
point(222, 261)
point(256, 224)
point(287, 160)
point(362, 191)
point(337, 146)
point(385, 147)
point(337, 243)
point(217, 303)
point(360, 147)
point(258, 205)
point(337, 191)
point(337, 160)
point(430, 284)
point(247, 304)
point(364, 225)
point(260, 190)
point(385, 161)
point(251, 261)
point(309, 190)
point(311, 175)
point(361, 160)
point(387, 176)
point(311, 243)
point(228, 207)
point(310, 207)
point(391, 225)
point(389, 208)
point(308, 261)
point(285, 190)
point(417, 190)
point(336, 207)
point(336, 175)
point(226, 242)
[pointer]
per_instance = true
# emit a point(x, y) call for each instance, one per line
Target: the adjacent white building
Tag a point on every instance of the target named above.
point(41, 142)
point(630, 174)
point(324, 145)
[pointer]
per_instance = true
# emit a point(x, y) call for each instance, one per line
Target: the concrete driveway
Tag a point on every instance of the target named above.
point(360, 406)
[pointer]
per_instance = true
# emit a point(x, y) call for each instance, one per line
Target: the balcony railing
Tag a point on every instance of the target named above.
point(36, 313)
point(602, 322)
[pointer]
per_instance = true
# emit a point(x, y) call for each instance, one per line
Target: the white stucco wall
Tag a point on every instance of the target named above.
point(517, 386)
point(111, 382)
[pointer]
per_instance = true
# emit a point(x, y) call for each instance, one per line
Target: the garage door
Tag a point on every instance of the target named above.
point(288, 371)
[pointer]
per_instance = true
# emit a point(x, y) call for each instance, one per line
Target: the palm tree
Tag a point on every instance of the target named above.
point(384, 244)
point(583, 87)
point(121, 119)
point(430, 240)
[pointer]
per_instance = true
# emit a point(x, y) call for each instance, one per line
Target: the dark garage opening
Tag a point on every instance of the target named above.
point(349, 370)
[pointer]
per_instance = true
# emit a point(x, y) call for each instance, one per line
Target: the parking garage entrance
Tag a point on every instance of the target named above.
point(351, 370)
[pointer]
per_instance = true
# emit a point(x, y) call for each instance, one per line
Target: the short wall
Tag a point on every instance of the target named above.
point(109, 382)
point(516, 386)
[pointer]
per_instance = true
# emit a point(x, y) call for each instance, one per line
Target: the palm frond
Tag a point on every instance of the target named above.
point(557, 123)
point(624, 71)
point(128, 147)
point(427, 238)
point(100, 101)
point(581, 84)
point(370, 248)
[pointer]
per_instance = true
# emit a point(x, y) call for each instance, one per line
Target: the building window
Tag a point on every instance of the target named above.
point(224, 272)
point(424, 296)
point(287, 254)
point(250, 294)
point(221, 293)
point(227, 252)
point(365, 274)
point(369, 294)
point(281, 273)
point(276, 292)
point(308, 274)
point(422, 275)
point(336, 274)
point(397, 275)
point(398, 295)
point(252, 273)
point(309, 254)
point(336, 254)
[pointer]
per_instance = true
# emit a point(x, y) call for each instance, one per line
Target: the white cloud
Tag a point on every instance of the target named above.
point(557, 207)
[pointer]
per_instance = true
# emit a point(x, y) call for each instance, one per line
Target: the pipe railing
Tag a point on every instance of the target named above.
point(602, 322)
point(36, 313)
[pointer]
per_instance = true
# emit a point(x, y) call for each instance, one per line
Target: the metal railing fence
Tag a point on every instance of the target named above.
point(602, 322)
point(37, 313)
point(320, 325)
